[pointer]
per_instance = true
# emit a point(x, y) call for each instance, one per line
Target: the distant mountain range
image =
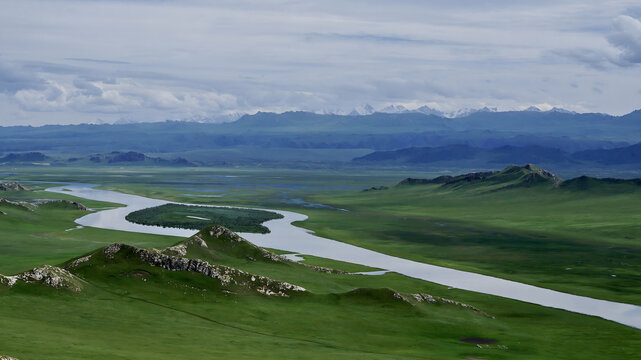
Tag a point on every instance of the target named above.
point(367, 109)
point(444, 155)
point(112, 158)
point(555, 136)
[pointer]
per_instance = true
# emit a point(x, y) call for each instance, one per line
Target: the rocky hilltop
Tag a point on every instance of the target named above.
point(48, 275)
point(13, 186)
point(510, 177)
point(47, 204)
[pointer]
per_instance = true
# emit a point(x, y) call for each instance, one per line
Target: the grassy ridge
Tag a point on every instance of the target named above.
point(130, 310)
point(49, 235)
point(564, 239)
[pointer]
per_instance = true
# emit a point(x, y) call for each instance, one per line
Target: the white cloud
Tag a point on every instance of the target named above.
point(627, 37)
point(122, 96)
point(160, 60)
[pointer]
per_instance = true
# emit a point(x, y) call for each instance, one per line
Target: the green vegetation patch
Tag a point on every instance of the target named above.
point(198, 217)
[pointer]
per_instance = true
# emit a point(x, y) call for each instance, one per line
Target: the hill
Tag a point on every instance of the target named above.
point(457, 156)
point(269, 137)
point(128, 158)
point(510, 177)
point(624, 155)
point(28, 157)
point(12, 186)
point(230, 299)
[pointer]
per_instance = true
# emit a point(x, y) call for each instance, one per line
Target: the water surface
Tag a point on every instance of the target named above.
point(285, 236)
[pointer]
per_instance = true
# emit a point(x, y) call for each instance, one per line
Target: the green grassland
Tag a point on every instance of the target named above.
point(32, 238)
point(197, 217)
point(583, 241)
point(573, 238)
point(130, 310)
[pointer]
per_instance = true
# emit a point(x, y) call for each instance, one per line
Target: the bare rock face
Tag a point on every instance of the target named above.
point(181, 249)
point(78, 261)
point(47, 275)
point(22, 205)
point(13, 186)
point(226, 275)
point(420, 297)
point(223, 235)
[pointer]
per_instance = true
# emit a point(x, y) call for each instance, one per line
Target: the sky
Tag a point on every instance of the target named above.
point(64, 62)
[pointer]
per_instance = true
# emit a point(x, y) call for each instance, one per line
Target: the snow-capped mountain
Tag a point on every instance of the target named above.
point(468, 111)
point(429, 111)
point(366, 109)
point(394, 109)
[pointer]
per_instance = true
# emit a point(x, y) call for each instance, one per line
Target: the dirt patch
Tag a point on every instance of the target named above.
point(478, 340)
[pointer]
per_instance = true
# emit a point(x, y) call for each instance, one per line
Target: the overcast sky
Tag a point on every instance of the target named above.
point(88, 61)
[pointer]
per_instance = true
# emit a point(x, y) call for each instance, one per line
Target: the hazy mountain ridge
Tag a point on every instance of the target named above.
point(515, 176)
point(334, 136)
point(629, 155)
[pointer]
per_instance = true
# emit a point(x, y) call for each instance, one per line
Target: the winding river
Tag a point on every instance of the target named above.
point(285, 236)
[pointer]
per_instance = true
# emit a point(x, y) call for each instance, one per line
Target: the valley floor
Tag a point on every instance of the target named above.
point(168, 315)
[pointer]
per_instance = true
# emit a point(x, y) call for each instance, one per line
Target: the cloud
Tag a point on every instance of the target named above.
point(52, 98)
point(121, 96)
point(626, 36)
point(14, 78)
point(60, 65)
point(100, 61)
point(624, 40)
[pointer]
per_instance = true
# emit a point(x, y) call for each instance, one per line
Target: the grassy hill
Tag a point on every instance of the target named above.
point(123, 301)
point(523, 223)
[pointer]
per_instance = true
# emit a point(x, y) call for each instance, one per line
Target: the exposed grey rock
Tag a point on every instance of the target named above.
point(226, 275)
point(181, 249)
point(20, 204)
point(218, 231)
point(325, 269)
point(112, 249)
point(48, 275)
point(78, 261)
point(13, 186)
point(420, 297)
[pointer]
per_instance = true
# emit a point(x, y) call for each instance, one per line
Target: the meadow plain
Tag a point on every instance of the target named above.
point(510, 233)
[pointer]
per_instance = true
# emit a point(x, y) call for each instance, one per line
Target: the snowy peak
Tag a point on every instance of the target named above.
point(429, 111)
point(366, 109)
point(394, 109)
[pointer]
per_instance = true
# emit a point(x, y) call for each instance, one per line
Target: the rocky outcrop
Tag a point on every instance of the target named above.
point(415, 299)
point(325, 270)
point(181, 249)
point(226, 275)
point(48, 275)
point(68, 204)
point(17, 204)
point(224, 235)
point(78, 261)
point(63, 204)
point(13, 186)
